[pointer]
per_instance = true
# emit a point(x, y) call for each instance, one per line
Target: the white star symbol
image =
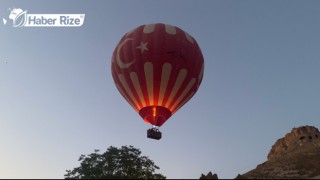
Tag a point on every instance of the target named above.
point(143, 47)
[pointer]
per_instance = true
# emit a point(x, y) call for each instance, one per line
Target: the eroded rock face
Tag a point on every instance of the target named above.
point(293, 141)
point(295, 156)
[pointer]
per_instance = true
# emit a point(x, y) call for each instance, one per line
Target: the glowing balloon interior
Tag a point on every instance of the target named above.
point(157, 68)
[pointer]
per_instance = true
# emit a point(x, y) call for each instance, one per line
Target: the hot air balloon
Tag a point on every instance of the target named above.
point(157, 68)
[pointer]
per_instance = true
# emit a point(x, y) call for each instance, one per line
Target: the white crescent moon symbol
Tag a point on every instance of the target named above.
point(119, 62)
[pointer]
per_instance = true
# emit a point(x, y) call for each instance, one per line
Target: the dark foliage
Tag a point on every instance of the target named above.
point(116, 163)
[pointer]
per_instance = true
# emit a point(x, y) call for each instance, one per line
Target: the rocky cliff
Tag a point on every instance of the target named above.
point(294, 141)
point(295, 156)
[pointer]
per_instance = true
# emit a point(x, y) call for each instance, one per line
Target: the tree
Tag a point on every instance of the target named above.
point(116, 163)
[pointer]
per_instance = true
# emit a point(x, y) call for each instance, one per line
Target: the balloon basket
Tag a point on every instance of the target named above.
point(154, 133)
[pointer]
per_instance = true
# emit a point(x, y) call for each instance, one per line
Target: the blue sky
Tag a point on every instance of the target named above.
point(58, 99)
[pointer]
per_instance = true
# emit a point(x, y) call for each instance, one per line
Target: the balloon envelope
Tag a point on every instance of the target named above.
point(157, 68)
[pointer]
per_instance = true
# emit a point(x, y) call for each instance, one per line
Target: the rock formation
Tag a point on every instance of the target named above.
point(297, 155)
point(294, 141)
point(209, 176)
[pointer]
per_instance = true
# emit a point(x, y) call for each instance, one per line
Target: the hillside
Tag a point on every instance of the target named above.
point(295, 156)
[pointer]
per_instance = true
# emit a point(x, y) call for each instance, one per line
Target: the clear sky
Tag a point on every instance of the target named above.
point(58, 99)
